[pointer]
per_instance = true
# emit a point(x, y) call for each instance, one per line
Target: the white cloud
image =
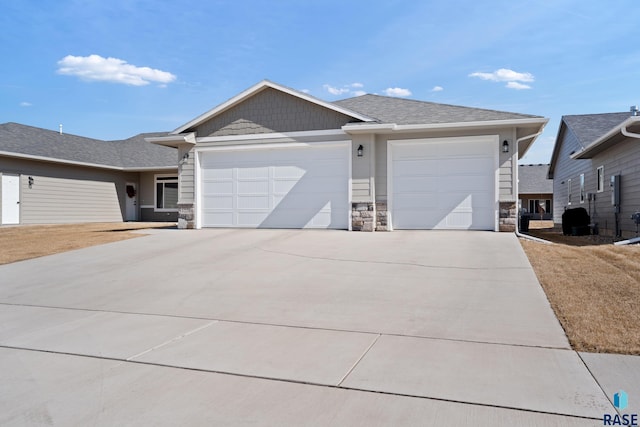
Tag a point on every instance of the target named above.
point(358, 93)
point(335, 90)
point(25, 104)
point(114, 70)
point(358, 85)
point(397, 91)
point(437, 89)
point(514, 79)
point(305, 91)
point(517, 86)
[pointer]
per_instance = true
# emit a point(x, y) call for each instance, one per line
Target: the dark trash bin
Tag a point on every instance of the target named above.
point(524, 222)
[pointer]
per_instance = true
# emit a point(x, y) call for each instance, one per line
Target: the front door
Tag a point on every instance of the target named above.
point(10, 199)
point(131, 208)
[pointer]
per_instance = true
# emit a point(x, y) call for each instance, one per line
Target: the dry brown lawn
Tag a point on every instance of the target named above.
point(32, 241)
point(593, 287)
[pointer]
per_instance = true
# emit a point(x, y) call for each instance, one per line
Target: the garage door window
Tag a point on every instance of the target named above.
point(166, 193)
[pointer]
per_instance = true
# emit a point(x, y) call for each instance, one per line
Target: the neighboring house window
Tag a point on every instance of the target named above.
point(569, 191)
point(166, 193)
point(541, 206)
point(582, 195)
point(600, 179)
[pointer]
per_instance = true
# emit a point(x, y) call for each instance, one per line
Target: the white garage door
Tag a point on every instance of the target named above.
point(297, 186)
point(444, 183)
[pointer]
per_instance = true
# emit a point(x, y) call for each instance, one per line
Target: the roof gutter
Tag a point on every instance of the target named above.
point(622, 128)
point(84, 164)
point(173, 140)
point(394, 128)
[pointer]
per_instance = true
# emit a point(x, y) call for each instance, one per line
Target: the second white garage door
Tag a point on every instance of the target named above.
point(444, 183)
point(297, 186)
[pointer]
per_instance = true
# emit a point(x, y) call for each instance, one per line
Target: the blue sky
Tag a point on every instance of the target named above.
point(110, 70)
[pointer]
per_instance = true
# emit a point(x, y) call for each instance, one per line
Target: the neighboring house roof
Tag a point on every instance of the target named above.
point(18, 140)
point(589, 127)
point(594, 132)
point(532, 179)
point(400, 111)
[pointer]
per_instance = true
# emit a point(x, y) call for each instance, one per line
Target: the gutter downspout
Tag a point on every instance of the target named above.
point(533, 135)
point(535, 239)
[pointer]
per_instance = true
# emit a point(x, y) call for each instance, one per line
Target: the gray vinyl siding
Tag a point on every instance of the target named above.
point(506, 173)
point(622, 159)
point(272, 111)
point(67, 193)
point(186, 190)
point(361, 168)
point(565, 169)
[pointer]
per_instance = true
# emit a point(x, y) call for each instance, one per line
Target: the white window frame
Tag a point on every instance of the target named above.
point(569, 191)
point(600, 175)
point(582, 193)
point(163, 178)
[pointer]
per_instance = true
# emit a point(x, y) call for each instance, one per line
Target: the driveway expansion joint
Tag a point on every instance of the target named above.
point(406, 264)
point(299, 382)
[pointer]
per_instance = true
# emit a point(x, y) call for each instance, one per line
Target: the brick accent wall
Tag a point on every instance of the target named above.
point(508, 216)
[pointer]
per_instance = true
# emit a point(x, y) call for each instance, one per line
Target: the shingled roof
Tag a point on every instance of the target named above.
point(589, 127)
point(132, 153)
point(532, 179)
point(400, 111)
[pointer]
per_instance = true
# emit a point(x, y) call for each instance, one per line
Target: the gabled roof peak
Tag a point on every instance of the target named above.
point(259, 87)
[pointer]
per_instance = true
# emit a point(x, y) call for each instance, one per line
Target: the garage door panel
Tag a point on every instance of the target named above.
point(464, 183)
point(456, 190)
point(251, 187)
point(277, 188)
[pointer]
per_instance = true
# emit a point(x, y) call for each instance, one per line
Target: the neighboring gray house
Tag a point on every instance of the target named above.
point(596, 165)
point(274, 157)
point(49, 177)
point(535, 191)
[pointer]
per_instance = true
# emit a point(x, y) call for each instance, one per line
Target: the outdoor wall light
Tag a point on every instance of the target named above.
point(505, 146)
point(30, 181)
point(360, 150)
point(185, 158)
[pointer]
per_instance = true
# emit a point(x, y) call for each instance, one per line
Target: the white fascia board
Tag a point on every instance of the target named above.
point(60, 161)
point(476, 124)
point(258, 88)
point(263, 136)
point(248, 147)
point(173, 140)
point(395, 128)
point(152, 168)
point(369, 128)
point(584, 154)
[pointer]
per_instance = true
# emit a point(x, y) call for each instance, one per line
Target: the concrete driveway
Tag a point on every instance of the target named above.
point(285, 327)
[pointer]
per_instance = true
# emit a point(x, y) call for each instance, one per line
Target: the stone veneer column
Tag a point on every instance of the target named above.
point(368, 216)
point(381, 216)
point(508, 216)
point(363, 216)
point(185, 216)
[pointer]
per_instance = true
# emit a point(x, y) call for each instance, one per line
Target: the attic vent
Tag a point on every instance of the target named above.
point(634, 110)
